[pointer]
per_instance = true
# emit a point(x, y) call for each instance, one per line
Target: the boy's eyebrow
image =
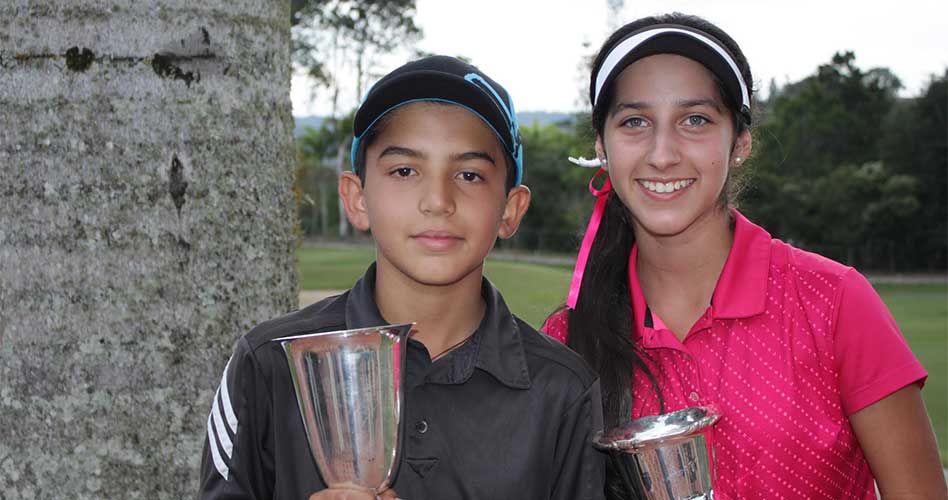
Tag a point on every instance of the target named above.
point(401, 151)
point(474, 155)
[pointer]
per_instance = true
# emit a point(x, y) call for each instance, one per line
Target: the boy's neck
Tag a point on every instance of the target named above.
point(444, 315)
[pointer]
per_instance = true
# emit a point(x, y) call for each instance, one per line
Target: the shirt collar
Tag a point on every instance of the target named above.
point(741, 291)
point(495, 347)
point(742, 286)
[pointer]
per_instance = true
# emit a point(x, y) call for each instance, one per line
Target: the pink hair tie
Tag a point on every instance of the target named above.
point(591, 229)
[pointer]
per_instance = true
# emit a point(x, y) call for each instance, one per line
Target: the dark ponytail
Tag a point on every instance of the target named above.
point(600, 327)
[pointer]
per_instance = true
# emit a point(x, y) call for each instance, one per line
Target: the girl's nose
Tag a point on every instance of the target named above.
point(664, 152)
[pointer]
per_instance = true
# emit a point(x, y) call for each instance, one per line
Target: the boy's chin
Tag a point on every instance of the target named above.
point(436, 275)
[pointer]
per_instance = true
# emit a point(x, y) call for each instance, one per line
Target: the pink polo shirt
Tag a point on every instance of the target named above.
point(792, 344)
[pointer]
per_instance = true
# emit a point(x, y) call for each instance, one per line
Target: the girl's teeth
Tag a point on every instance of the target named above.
point(666, 187)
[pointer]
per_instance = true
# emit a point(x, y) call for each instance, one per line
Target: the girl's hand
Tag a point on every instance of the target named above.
point(351, 494)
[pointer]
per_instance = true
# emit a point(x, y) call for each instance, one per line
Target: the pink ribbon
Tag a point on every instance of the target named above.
point(601, 196)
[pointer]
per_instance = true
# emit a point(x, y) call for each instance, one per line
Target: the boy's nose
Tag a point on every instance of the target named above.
point(664, 152)
point(437, 198)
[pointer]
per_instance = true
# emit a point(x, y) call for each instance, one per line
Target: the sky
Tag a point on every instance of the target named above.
point(536, 48)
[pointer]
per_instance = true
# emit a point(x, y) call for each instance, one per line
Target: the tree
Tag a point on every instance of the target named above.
point(353, 31)
point(915, 144)
point(317, 156)
point(146, 221)
point(560, 204)
point(816, 163)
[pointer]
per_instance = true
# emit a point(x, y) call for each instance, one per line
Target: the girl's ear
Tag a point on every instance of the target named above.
point(353, 199)
point(600, 148)
point(742, 148)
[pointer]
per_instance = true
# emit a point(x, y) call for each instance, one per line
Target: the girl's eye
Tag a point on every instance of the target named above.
point(696, 121)
point(634, 121)
point(470, 177)
point(402, 172)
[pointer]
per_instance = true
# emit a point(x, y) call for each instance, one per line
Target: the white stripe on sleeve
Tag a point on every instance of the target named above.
point(215, 454)
point(225, 397)
point(222, 435)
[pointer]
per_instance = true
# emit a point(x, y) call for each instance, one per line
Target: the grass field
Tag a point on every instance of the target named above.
point(532, 291)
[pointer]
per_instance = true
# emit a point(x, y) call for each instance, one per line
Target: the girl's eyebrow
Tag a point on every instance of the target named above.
point(401, 151)
point(692, 103)
point(474, 155)
point(681, 103)
point(636, 105)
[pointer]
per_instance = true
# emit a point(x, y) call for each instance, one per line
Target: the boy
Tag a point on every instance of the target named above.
point(492, 408)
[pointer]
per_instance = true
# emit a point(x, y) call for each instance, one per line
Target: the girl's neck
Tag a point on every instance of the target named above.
point(680, 272)
point(444, 315)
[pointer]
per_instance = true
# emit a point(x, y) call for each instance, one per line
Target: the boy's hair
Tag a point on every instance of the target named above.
point(439, 79)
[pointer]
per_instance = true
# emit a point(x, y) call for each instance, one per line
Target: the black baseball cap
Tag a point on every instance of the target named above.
point(448, 80)
point(676, 39)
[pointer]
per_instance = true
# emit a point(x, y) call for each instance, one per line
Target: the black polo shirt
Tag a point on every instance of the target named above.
point(508, 414)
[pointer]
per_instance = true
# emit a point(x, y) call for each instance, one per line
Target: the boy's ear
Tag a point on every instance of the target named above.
point(352, 196)
point(518, 200)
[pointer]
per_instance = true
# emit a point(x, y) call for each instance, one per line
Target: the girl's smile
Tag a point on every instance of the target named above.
point(670, 188)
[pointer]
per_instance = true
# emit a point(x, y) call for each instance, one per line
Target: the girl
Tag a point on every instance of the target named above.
point(679, 301)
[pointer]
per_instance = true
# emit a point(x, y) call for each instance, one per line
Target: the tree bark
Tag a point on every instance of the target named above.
point(146, 221)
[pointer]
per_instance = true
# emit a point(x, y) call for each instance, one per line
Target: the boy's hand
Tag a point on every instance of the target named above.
point(347, 494)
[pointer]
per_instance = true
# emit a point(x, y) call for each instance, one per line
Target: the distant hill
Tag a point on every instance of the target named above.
point(303, 122)
point(542, 118)
point(527, 119)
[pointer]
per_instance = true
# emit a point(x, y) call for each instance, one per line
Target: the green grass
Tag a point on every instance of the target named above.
point(335, 268)
point(532, 291)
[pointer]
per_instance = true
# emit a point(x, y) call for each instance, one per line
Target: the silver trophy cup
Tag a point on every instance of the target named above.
point(349, 388)
point(663, 457)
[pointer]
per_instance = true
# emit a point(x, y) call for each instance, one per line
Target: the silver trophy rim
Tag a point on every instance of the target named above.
point(346, 333)
point(681, 425)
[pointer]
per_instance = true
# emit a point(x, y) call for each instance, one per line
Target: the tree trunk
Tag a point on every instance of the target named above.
point(146, 222)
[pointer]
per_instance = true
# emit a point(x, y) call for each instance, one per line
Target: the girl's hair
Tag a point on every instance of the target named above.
point(601, 324)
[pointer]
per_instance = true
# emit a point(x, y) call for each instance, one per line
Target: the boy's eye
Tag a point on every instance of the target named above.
point(470, 176)
point(403, 172)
